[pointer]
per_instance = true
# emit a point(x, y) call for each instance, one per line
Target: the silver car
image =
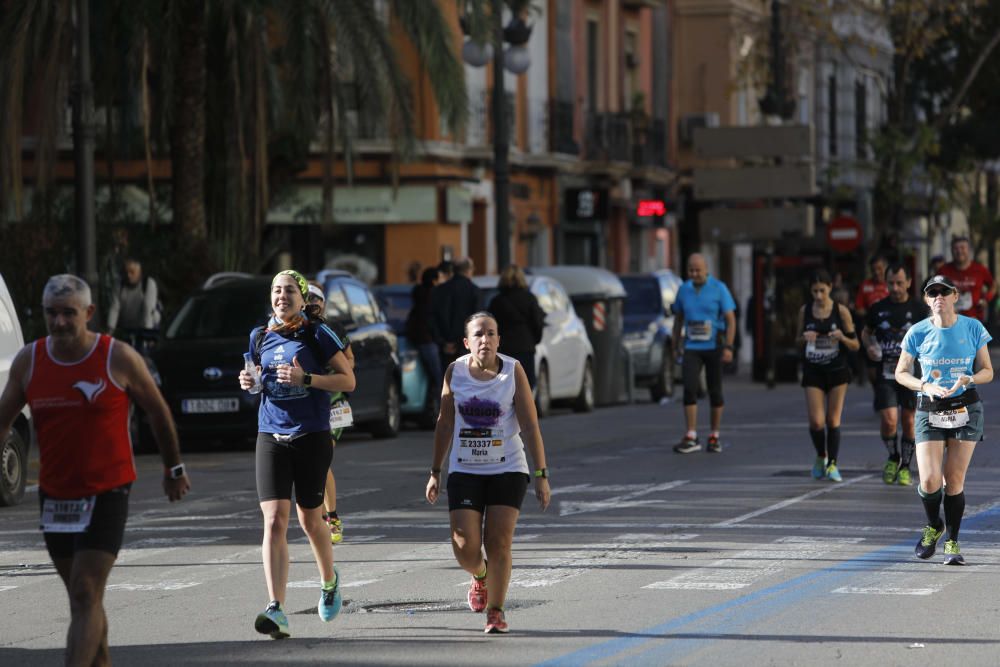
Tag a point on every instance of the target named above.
point(564, 360)
point(14, 451)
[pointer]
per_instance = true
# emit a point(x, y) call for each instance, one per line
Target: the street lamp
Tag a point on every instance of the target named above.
point(516, 59)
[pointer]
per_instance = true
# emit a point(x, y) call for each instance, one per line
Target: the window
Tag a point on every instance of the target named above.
point(544, 295)
point(559, 299)
point(832, 111)
point(336, 304)
point(860, 119)
point(592, 60)
point(362, 311)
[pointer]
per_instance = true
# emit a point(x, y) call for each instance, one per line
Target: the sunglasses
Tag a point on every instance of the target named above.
point(933, 292)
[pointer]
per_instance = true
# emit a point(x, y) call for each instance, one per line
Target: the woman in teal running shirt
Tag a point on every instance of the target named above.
point(951, 351)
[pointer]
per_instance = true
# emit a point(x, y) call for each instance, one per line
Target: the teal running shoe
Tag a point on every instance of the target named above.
point(928, 542)
point(833, 474)
point(819, 468)
point(952, 554)
point(330, 601)
point(272, 621)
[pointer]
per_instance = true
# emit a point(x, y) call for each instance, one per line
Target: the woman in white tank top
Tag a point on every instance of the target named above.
point(487, 420)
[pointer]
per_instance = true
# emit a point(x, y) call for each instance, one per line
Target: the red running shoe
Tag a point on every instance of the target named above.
point(477, 595)
point(495, 623)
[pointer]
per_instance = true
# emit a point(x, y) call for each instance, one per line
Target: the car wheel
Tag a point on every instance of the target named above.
point(664, 386)
point(543, 395)
point(388, 425)
point(585, 400)
point(13, 468)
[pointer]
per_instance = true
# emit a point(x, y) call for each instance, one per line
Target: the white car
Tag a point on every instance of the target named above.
point(14, 451)
point(564, 360)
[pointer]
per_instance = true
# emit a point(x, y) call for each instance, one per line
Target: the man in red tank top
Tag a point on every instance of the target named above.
point(976, 287)
point(78, 384)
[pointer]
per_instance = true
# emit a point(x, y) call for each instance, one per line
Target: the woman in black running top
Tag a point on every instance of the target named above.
point(825, 330)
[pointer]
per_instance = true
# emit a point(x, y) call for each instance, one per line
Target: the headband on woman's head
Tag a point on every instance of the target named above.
point(299, 278)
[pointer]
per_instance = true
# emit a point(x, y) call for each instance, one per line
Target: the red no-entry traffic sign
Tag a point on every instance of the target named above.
point(843, 234)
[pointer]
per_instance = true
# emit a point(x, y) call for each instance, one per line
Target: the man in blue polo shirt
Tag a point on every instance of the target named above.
point(705, 309)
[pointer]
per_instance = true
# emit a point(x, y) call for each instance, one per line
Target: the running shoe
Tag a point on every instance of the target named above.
point(688, 446)
point(330, 601)
point(889, 471)
point(272, 621)
point(833, 474)
point(952, 554)
point(477, 595)
point(928, 542)
point(336, 527)
point(904, 478)
point(495, 623)
point(714, 446)
point(819, 468)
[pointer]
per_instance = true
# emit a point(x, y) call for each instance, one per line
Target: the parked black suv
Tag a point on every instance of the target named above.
point(201, 354)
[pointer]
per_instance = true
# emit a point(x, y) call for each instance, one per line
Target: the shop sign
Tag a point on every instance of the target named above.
point(650, 208)
point(586, 204)
point(458, 205)
point(358, 205)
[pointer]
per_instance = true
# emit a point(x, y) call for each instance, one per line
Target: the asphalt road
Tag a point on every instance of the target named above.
point(644, 558)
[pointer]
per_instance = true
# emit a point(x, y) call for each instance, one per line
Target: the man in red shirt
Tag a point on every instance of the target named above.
point(976, 287)
point(78, 385)
point(873, 289)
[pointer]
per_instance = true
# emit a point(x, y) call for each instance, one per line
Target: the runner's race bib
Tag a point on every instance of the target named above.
point(822, 350)
point(699, 331)
point(341, 415)
point(964, 301)
point(66, 516)
point(949, 418)
point(480, 446)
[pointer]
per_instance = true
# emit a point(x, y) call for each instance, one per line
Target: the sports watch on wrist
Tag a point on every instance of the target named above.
point(307, 379)
point(542, 472)
point(176, 472)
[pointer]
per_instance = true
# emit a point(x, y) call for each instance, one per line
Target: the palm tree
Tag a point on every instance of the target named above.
point(236, 91)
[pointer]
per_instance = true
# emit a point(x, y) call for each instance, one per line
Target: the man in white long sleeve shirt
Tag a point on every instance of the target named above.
point(134, 301)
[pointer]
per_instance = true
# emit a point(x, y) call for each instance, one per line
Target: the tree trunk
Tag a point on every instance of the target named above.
point(187, 141)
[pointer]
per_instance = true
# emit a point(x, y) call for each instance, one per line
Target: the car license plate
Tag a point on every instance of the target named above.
point(209, 405)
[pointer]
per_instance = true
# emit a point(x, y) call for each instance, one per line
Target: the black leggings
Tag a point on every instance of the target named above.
point(692, 365)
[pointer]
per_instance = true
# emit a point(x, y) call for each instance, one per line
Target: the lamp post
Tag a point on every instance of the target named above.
point(516, 60)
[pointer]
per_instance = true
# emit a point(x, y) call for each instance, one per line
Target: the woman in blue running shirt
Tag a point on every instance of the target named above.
point(951, 351)
point(293, 354)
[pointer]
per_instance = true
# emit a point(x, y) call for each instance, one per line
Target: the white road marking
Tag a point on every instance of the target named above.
point(634, 546)
point(157, 586)
point(832, 486)
point(748, 567)
point(568, 508)
point(7, 588)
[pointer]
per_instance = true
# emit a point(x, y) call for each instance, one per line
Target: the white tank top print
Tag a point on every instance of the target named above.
point(487, 437)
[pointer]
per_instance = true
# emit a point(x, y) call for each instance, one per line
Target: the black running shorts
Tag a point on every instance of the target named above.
point(301, 463)
point(105, 532)
point(891, 394)
point(477, 492)
point(825, 380)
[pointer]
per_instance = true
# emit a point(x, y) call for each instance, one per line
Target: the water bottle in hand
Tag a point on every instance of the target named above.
point(251, 368)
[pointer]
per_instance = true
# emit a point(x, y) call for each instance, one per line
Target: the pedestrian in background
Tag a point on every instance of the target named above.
point(78, 384)
point(486, 399)
point(705, 310)
point(520, 318)
point(340, 417)
point(871, 290)
point(887, 322)
point(112, 264)
point(951, 350)
point(826, 332)
point(975, 284)
point(292, 355)
point(452, 302)
point(135, 301)
point(419, 330)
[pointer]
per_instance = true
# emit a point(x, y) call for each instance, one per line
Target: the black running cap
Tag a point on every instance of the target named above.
point(942, 281)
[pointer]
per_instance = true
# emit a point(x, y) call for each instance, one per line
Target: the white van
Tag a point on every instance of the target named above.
point(14, 451)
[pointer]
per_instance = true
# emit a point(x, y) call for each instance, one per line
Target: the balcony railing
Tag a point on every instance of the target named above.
point(607, 137)
point(649, 143)
point(562, 121)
